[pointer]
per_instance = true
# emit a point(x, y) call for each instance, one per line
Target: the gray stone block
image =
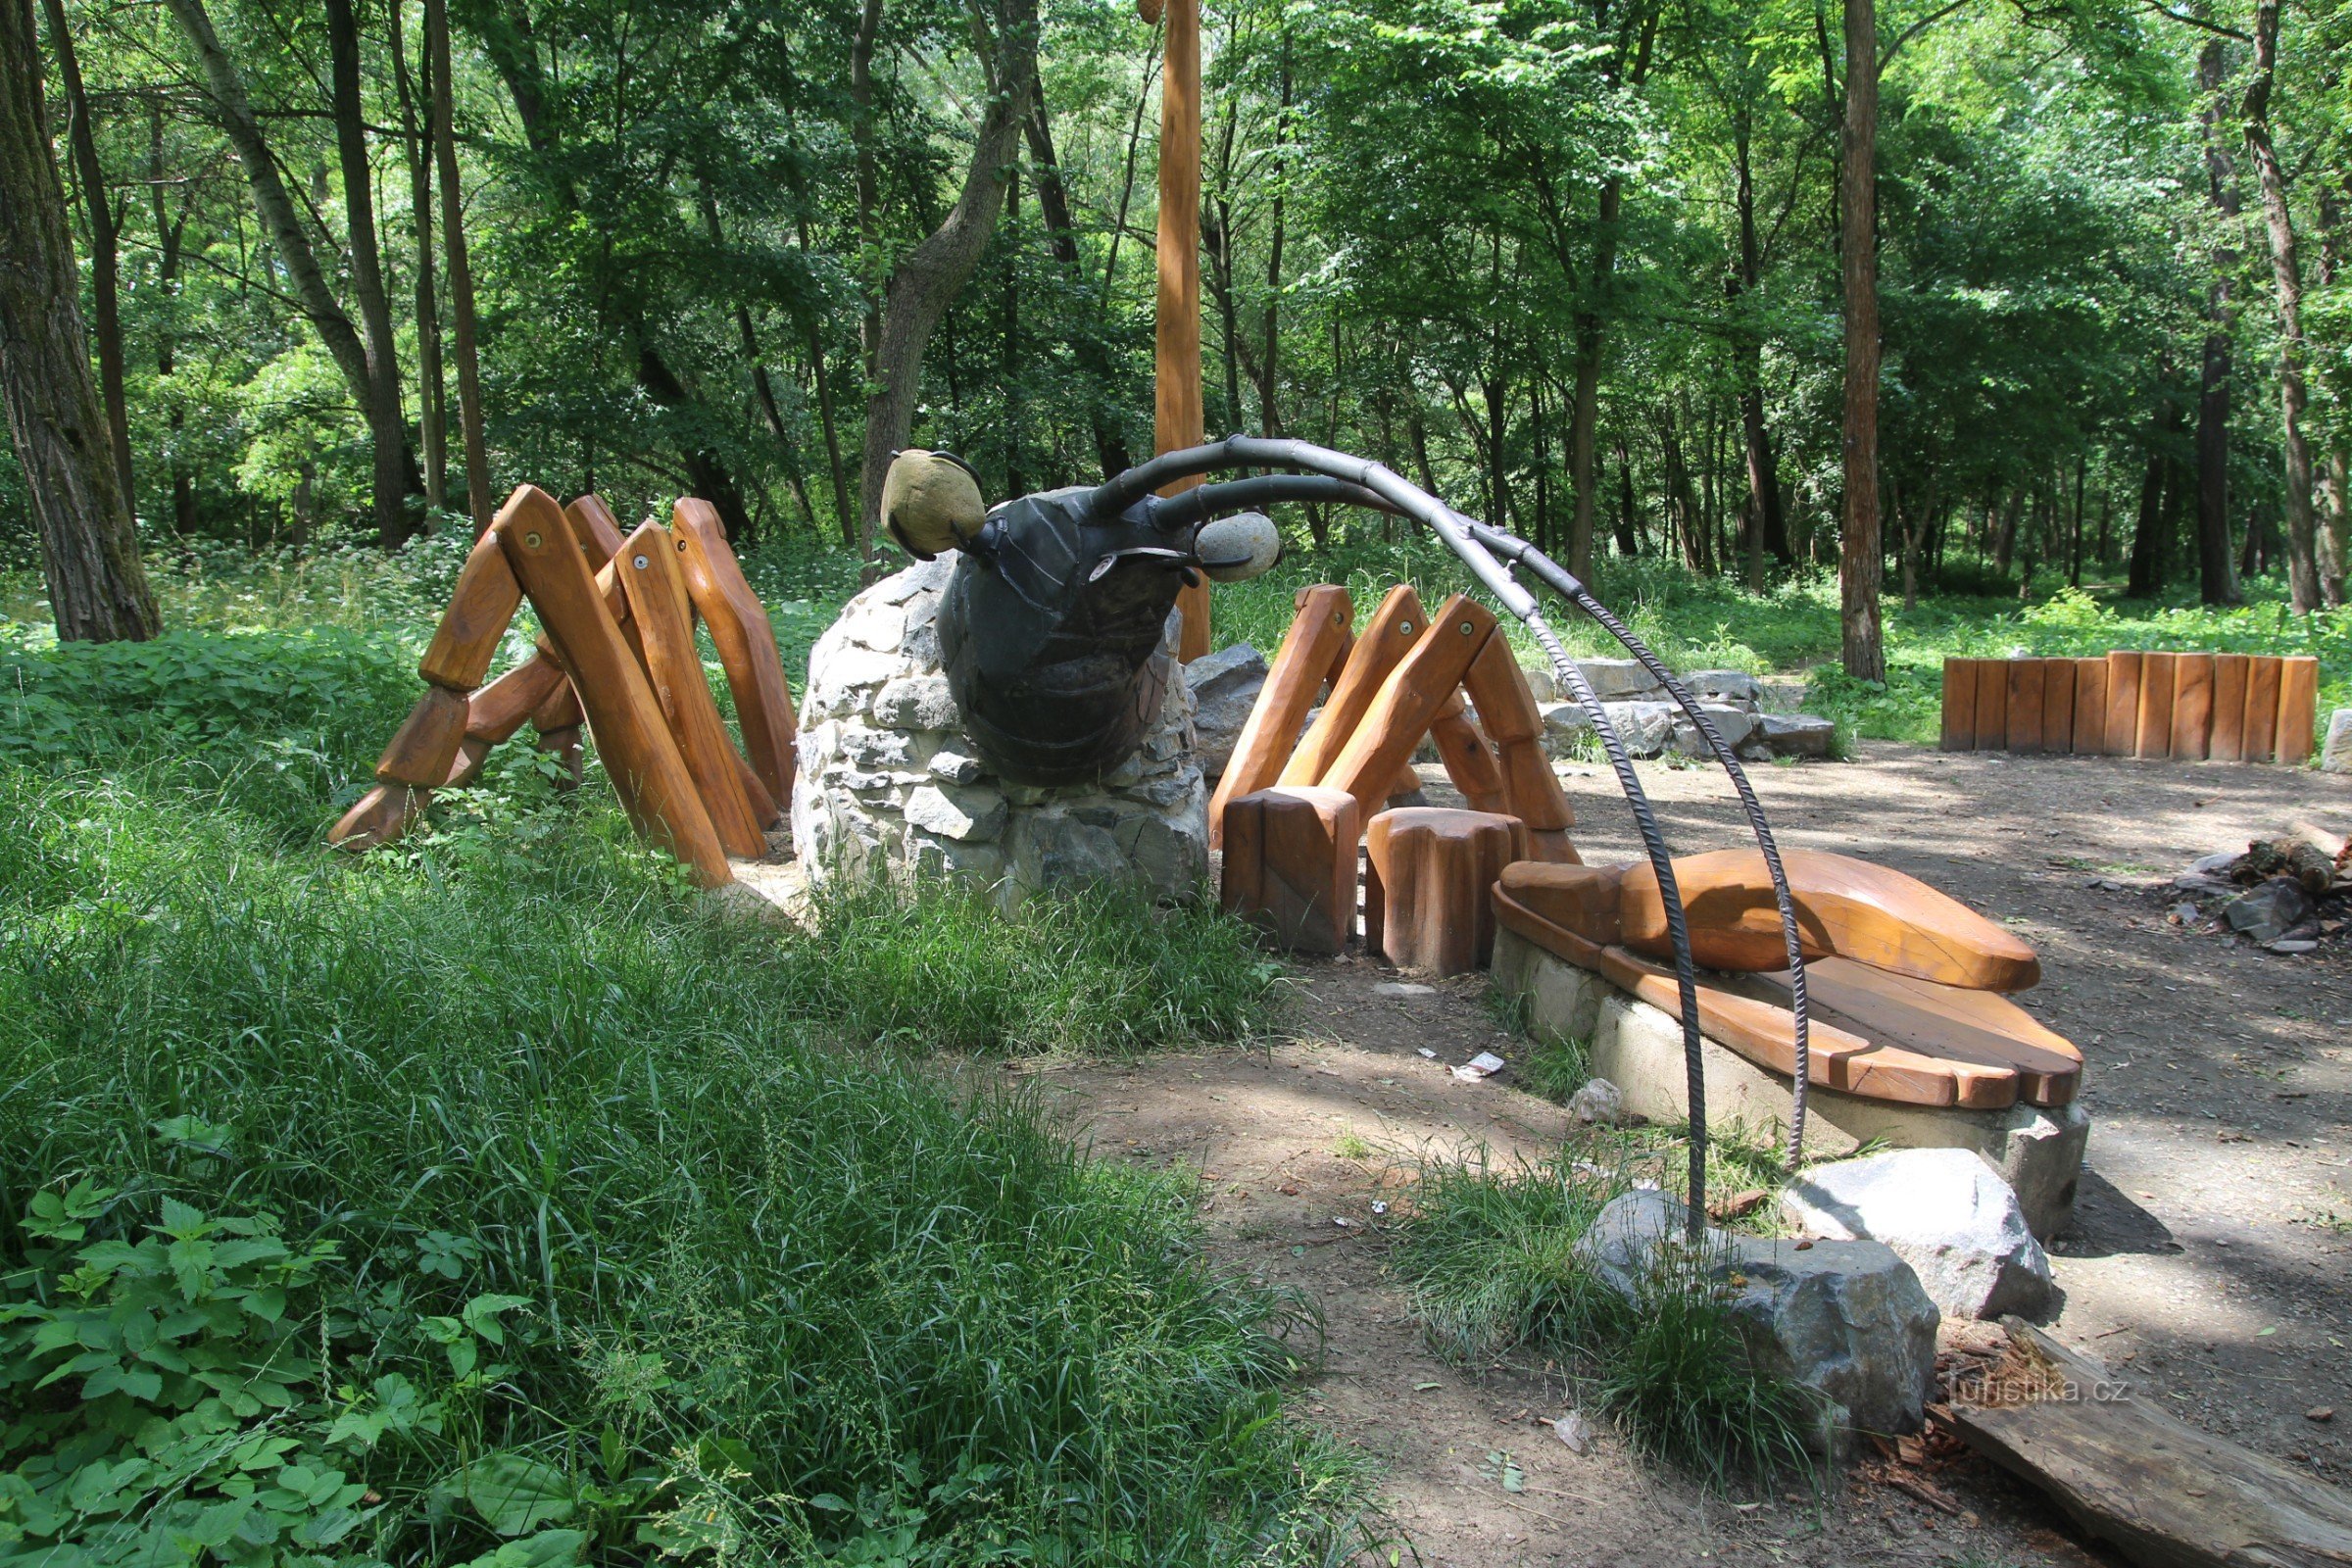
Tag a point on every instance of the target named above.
point(1799, 734)
point(2335, 756)
point(1944, 1213)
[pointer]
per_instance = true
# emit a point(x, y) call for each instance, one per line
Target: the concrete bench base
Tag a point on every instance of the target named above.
point(2037, 1150)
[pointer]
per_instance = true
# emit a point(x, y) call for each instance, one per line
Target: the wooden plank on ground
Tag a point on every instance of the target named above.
point(2155, 726)
point(2227, 744)
point(1993, 705)
point(2262, 708)
point(2090, 707)
point(1959, 703)
point(2024, 704)
point(2163, 1494)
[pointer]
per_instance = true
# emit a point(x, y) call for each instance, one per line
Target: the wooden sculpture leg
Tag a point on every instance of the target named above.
point(1430, 874)
point(1395, 630)
point(1409, 700)
point(1468, 761)
point(558, 722)
point(381, 815)
point(657, 595)
point(746, 642)
point(1309, 649)
point(1290, 864)
point(1531, 790)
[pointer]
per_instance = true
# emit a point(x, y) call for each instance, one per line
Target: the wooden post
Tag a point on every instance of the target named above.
point(1959, 705)
point(2024, 677)
point(2193, 705)
point(1177, 419)
point(2228, 742)
point(2058, 704)
point(1290, 864)
point(2155, 727)
point(2260, 731)
point(1309, 651)
point(2123, 701)
point(1993, 705)
point(2298, 705)
point(2090, 707)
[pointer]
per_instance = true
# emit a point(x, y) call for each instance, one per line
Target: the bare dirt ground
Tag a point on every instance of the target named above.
point(2208, 1264)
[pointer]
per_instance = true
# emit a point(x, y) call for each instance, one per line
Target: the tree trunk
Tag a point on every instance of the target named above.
point(1765, 530)
point(2302, 565)
point(106, 292)
point(869, 200)
point(926, 280)
point(2217, 578)
point(2146, 573)
point(764, 388)
point(1053, 203)
point(89, 551)
point(167, 238)
point(386, 425)
point(1860, 556)
point(2335, 526)
point(461, 271)
point(432, 395)
point(1016, 481)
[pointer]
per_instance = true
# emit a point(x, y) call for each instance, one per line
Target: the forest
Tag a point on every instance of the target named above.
point(1596, 270)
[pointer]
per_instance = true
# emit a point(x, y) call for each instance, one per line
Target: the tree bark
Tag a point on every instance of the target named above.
point(2335, 526)
point(2217, 575)
point(869, 199)
point(106, 292)
point(2146, 572)
point(478, 504)
point(1860, 557)
point(89, 551)
point(1766, 529)
point(168, 232)
point(2286, 272)
point(926, 280)
point(1053, 202)
point(433, 396)
point(387, 429)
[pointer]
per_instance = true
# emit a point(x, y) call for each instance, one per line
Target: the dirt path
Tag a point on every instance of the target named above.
point(2209, 1259)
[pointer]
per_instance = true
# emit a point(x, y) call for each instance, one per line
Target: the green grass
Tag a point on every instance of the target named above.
point(1489, 1258)
point(660, 1218)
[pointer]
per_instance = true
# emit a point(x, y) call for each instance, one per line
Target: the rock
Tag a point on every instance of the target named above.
point(1225, 686)
point(1645, 727)
point(967, 816)
point(1799, 734)
point(1056, 849)
point(1575, 1430)
point(2269, 910)
point(1734, 724)
point(1754, 751)
point(1846, 1319)
point(918, 702)
point(1402, 988)
point(1540, 681)
point(2335, 756)
point(955, 767)
point(1564, 725)
point(1727, 685)
point(1598, 1102)
point(1617, 679)
point(1944, 1213)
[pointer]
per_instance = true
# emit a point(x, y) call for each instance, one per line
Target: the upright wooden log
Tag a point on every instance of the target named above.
point(657, 594)
point(2193, 705)
point(2154, 729)
point(1993, 705)
point(1959, 705)
point(1319, 630)
point(2228, 742)
point(1427, 901)
point(1469, 762)
point(2057, 705)
point(2123, 702)
point(596, 529)
point(1394, 627)
point(1177, 419)
point(2298, 704)
point(1290, 864)
point(2261, 726)
point(381, 815)
point(1409, 700)
point(746, 643)
point(480, 608)
point(2090, 707)
point(639, 752)
point(2024, 704)
point(1532, 792)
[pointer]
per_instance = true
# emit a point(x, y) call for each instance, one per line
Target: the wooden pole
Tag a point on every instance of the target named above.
point(1177, 419)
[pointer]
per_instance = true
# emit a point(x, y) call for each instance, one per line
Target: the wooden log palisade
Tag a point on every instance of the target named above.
point(2226, 708)
point(618, 654)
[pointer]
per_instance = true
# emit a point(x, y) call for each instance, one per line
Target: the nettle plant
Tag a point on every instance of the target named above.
point(170, 1399)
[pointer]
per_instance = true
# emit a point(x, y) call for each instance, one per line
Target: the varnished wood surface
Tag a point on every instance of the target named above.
point(379, 816)
point(1959, 730)
point(1396, 626)
point(1469, 762)
point(480, 608)
point(499, 710)
point(2123, 702)
point(1313, 645)
point(2298, 701)
point(595, 527)
point(2057, 705)
point(1290, 864)
point(2228, 742)
point(1845, 906)
point(1177, 418)
point(2260, 727)
point(424, 745)
point(2090, 707)
point(1580, 899)
point(639, 752)
point(649, 575)
point(2153, 730)
point(1993, 705)
point(1409, 700)
point(2193, 705)
point(1507, 711)
point(1428, 904)
point(2023, 703)
point(746, 643)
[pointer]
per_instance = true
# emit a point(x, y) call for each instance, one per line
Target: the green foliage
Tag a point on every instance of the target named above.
point(1489, 1257)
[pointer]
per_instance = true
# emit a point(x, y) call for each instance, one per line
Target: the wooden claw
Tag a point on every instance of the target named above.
point(1400, 715)
point(746, 642)
point(1468, 761)
point(1393, 632)
point(426, 742)
point(498, 710)
point(1506, 706)
point(480, 608)
point(381, 815)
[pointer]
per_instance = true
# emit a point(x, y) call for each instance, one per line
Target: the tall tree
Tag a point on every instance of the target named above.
point(463, 348)
point(432, 410)
point(89, 551)
point(927, 279)
point(2217, 573)
point(2286, 272)
point(98, 210)
point(385, 422)
point(1861, 558)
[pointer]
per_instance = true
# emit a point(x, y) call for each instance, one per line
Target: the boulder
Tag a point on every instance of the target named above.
point(2335, 756)
point(1599, 1101)
point(1564, 723)
point(1726, 685)
point(1225, 686)
point(1737, 725)
point(1797, 734)
point(1616, 680)
point(968, 815)
point(1645, 727)
point(1944, 1212)
point(2270, 911)
point(1848, 1320)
